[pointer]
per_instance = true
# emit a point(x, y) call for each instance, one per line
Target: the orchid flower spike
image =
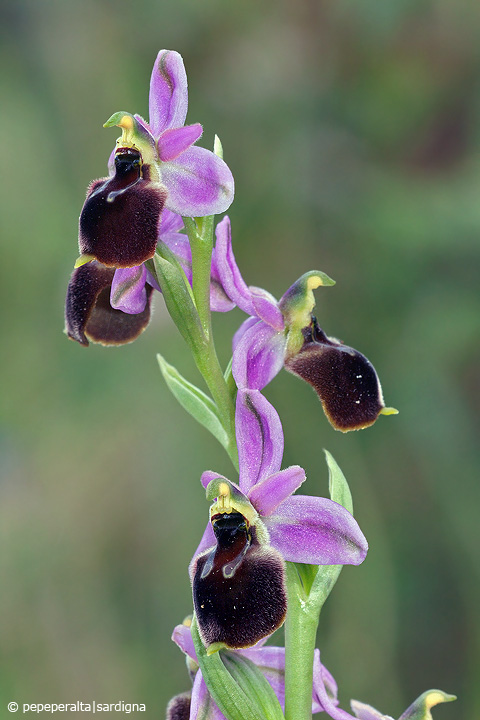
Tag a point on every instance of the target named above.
point(287, 334)
point(237, 571)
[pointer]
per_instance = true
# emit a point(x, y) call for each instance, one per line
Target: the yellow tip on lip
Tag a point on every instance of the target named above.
point(215, 647)
point(389, 411)
point(83, 260)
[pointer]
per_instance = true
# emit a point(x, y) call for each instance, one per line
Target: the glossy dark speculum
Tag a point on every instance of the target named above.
point(238, 586)
point(344, 379)
point(89, 315)
point(120, 218)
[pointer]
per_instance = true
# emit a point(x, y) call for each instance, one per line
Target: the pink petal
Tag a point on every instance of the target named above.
point(229, 274)
point(128, 292)
point(246, 325)
point(324, 679)
point(317, 531)
point(329, 705)
point(259, 356)
point(152, 281)
point(259, 438)
point(178, 243)
point(220, 301)
point(367, 712)
point(169, 222)
point(203, 705)
point(168, 100)
point(182, 636)
point(198, 182)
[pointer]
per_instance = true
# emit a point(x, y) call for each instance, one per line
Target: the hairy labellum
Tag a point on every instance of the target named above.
point(179, 707)
point(238, 586)
point(89, 314)
point(120, 218)
point(345, 381)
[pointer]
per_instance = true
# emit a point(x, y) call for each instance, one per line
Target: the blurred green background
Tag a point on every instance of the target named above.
point(352, 130)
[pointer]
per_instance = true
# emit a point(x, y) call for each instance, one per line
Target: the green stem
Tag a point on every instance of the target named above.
point(300, 635)
point(201, 242)
point(209, 366)
point(200, 234)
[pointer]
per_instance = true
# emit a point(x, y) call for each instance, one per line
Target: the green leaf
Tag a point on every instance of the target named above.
point(194, 401)
point(178, 297)
point(253, 683)
point(217, 147)
point(232, 697)
point(337, 484)
point(165, 252)
point(322, 586)
point(327, 575)
point(205, 228)
point(229, 379)
point(307, 574)
point(192, 229)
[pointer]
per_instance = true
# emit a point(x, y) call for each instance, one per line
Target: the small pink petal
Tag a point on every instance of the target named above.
point(266, 308)
point(267, 495)
point(128, 292)
point(182, 636)
point(173, 142)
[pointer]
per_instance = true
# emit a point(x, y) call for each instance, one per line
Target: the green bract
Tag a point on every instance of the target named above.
point(194, 401)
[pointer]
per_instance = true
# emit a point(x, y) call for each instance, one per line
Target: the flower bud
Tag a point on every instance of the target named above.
point(420, 709)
